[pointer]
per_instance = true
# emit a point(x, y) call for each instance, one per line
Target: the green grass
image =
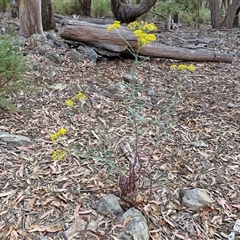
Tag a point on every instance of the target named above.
point(12, 68)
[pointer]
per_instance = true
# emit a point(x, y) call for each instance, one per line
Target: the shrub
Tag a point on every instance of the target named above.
point(12, 67)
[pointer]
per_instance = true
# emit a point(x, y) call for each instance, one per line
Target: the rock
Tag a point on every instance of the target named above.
point(74, 55)
point(230, 105)
point(118, 87)
point(129, 78)
point(198, 143)
point(136, 226)
point(53, 57)
point(195, 198)
point(91, 54)
point(52, 35)
point(40, 50)
point(37, 66)
point(109, 205)
point(151, 92)
point(37, 40)
point(15, 139)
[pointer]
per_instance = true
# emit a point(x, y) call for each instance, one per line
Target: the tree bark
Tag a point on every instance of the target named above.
point(126, 13)
point(30, 17)
point(215, 13)
point(231, 14)
point(48, 21)
point(97, 35)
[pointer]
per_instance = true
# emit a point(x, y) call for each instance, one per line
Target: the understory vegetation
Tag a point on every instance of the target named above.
point(12, 67)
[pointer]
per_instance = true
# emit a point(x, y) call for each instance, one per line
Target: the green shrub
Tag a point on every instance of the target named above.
point(4, 5)
point(66, 7)
point(12, 67)
point(101, 8)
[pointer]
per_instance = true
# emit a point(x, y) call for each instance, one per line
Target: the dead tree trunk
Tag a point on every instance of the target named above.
point(97, 35)
point(126, 13)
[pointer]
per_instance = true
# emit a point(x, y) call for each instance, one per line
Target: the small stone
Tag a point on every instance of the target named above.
point(129, 78)
point(40, 50)
point(37, 40)
point(151, 92)
point(91, 54)
point(118, 87)
point(136, 226)
point(198, 143)
point(53, 57)
point(230, 105)
point(15, 139)
point(74, 55)
point(109, 205)
point(195, 198)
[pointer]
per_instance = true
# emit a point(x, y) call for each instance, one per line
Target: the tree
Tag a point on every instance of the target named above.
point(35, 16)
point(126, 13)
point(48, 21)
point(215, 13)
point(232, 12)
point(86, 7)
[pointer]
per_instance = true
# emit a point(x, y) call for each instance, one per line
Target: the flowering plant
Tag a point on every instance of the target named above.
point(183, 67)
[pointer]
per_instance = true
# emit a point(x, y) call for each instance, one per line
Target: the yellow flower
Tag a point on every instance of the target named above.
point(133, 26)
point(56, 135)
point(69, 103)
point(114, 26)
point(182, 67)
point(173, 66)
point(79, 96)
point(191, 68)
point(58, 155)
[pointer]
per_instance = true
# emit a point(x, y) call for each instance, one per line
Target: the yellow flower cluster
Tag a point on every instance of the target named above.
point(79, 96)
point(58, 155)
point(114, 26)
point(59, 133)
point(142, 31)
point(183, 67)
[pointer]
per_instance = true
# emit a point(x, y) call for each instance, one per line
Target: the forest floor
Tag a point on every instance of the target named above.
point(186, 132)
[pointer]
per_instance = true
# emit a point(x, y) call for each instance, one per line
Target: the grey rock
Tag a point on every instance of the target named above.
point(74, 55)
point(129, 78)
point(91, 54)
point(53, 57)
point(37, 66)
point(52, 35)
point(50, 42)
point(136, 227)
point(230, 105)
point(108, 205)
point(198, 143)
point(118, 87)
point(151, 92)
point(40, 50)
point(37, 40)
point(195, 198)
point(15, 139)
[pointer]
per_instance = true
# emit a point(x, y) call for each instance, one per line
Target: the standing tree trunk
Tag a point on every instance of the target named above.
point(85, 6)
point(215, 13)
point(30, 17)
point(231, 14)
point(126, 13)
point(48, 21)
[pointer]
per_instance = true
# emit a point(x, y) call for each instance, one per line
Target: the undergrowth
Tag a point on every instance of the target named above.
point(12, 68)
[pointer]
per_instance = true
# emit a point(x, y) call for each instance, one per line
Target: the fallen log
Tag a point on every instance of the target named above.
point(97, 35)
